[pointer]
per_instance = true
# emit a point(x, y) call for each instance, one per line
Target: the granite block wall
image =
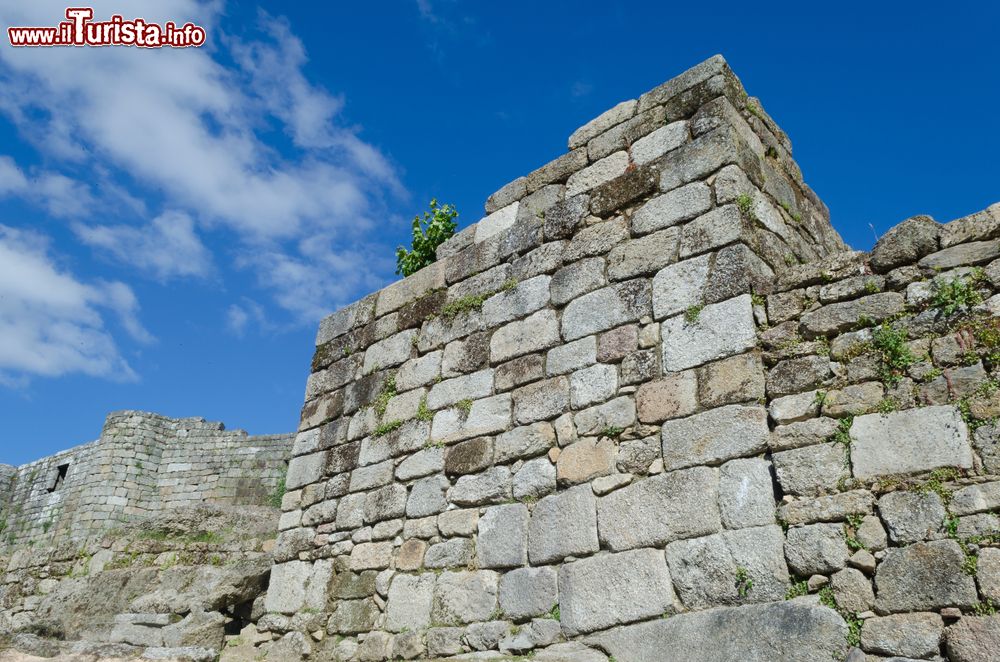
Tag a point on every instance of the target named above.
point(142, 465)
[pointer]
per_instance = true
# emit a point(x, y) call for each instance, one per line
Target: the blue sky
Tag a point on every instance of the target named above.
point(174, 223)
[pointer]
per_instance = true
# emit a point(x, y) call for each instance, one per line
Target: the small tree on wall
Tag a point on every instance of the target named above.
point(429, 232)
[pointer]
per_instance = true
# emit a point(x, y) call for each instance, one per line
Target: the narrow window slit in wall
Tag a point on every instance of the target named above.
point(60, 476)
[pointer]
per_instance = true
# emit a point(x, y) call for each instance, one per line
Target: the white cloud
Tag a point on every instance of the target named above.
point(167, 248)
point(180, 124)
point(52, 323)
point(12, 180)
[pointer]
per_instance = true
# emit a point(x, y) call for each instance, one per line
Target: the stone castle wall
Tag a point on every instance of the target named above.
point(614, 419)
point(142, 465)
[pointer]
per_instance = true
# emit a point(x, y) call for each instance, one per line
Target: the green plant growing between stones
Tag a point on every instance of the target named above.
point(611, 432)
point(893, 354)
point(279, 489)
point(387, 427)
point(744, 584)
point(744, 203)
point(423, 413)
point(387, 393)
point(465, 405)
point(436, 227)
point(472, 302)
point(887, 405)
point(554, 614)
point(692, 314)
point(871, 287)
point(951, 296)
point(797, 590)
point(984, 608)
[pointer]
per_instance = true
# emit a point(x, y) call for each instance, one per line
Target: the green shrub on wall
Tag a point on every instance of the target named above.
point(436, 227)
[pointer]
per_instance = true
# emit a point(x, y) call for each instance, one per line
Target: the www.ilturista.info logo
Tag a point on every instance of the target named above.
point(80, 30)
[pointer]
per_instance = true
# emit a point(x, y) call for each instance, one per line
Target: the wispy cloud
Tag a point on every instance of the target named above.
point(51, 322)
point(185, 126)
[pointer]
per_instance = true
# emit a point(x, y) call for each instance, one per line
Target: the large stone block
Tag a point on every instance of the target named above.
point(486, 416)
point(410, 600)
point(674, 396)
point(710, 571)
point(288, 593)
point(576, 279)
point(720, 330)
point(528, 592)
point(714, 436)
point(816, 549)
point(660, 509)
point(467, 387)
point(491, 486)
point(503, 536)
point(465, 597)
point(974, 639)
point(644, 255)
point(811, 470)
point(909, 441)
point(606, 308)
point(922, 577)
point(612, 589)
point(524, 442)
point(305, 469)
point(562, 525)
point(746, 495)
point(911, 516)
point(541, 400)
point(794, 630)
point(585, 459)
point(904, 635)
point(537, 332)
point(672, 208)
point(571, 356)
point(392, 351)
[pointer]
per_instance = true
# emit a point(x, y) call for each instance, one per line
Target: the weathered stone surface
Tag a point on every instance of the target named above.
point(535, 479)
point(486, 416)
point(909, 441)
point(659, 142)
point(832, 508)
point(385, 503)
point(657, 510)
point(904, 635)
point(988, 573)
point(288, 594)
point(672, 208)
point(637, 182)
point(371, 556)
point(514, 303)
point(714, 436)
point(353, 616)
point(614, 345)
point(503, 537)
point(410, 600)
point(452, 553)
point(722, 329)
point(459, 522)
point(491, 486)
point(839, 317)
point(811, 470)
point(618, 413)
point(411, 555)
point(924, 576)
point(640, 366)
point(733, 380)
point(528, 592)
point(794, 630)
point(592, 385)
point(852, 590)
point(602, 591)
point(427, 497)
point(524, 442)
point(468, 457)
point(679, 286)
point(963, 255)
point(571, 356)
point(673, 396)
point(816, 549)
point(606, 308)
point(496, 222)
point(305, 469)
point(443, 641)
point(706, 571)
point(422, 463)
point(597, 173)
point(541, 400)
point(746, 495)
point(975, 499)
point(974, 639)
point(797, 375)
point(562, 525)
point(905, 243)
point(446, 393)
point(602, 123)
point(537, 332)
point(585, 459)
point(519, 371)
point(642, 256)
point(794, 408)
point(563, 218)
point(853, 400)
point(465, 597)
point(804, 433)
point(911, 516)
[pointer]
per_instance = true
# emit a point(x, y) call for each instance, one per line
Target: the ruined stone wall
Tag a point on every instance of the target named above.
point(142, 465)
point(557, 435)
